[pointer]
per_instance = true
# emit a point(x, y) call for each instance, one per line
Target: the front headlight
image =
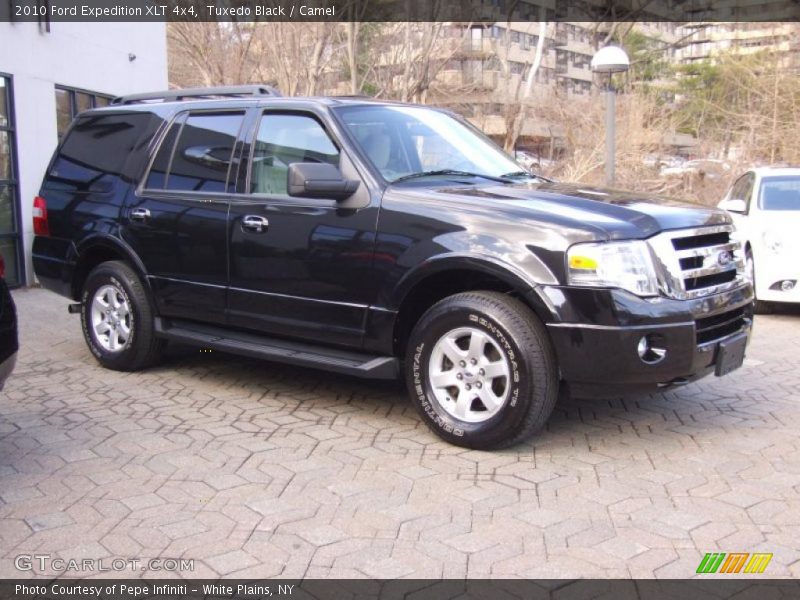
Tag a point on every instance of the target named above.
point(626, 265)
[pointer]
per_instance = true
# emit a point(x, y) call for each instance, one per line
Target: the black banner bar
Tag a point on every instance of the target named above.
point(476, 11)
point(400, 589)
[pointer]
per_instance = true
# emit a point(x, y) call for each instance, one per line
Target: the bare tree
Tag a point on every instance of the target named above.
point(292, 55)
point(407, 58)
point(210, 53)
point(517, 109)
point(295, 55)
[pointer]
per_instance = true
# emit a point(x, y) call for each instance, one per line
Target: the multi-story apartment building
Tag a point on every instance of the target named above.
point(705, 41)
point(486, 73)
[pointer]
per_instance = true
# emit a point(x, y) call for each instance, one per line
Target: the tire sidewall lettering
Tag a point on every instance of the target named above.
point(86, 300)
point(421, 389)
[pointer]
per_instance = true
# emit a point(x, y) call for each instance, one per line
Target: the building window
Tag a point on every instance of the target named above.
point(70, 102)
point(10, 239)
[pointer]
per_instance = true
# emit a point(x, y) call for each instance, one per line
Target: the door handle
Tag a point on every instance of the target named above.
point(254, 224)
point(140, 214)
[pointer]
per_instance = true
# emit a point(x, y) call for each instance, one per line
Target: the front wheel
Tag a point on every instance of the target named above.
point(760, 307)
point(481, 370)
point(117, 318)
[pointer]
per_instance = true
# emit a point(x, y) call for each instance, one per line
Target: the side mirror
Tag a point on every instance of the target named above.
point(733, 205)
point(319, 180)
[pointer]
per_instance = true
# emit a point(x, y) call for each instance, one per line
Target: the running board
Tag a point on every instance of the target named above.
point(278, 350)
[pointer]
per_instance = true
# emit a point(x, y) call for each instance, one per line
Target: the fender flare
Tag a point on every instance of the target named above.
point(514, 277)
point(79, 250)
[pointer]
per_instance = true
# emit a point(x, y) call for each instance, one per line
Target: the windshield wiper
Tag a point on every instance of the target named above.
point(448, 172)
point(525, 174)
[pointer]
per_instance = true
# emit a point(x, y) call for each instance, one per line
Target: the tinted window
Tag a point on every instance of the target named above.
point(157, 177)
point(743, 188)
point(70, 102)
point(747, 190)
point(780, 193)
point(97, 149)
point(737, 188)
point(202, 154)
point(284, 139)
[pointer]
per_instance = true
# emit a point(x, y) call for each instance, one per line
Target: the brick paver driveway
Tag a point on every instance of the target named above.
point(255, 470)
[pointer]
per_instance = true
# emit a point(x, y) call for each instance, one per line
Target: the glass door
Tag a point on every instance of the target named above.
point(10, 239)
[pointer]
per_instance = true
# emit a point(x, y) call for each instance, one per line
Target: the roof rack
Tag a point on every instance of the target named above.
point(233, 91)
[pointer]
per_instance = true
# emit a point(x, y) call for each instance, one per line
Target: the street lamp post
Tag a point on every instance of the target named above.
point(607, 61)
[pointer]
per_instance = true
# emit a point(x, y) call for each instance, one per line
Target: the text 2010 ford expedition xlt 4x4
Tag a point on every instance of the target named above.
point(374, 239)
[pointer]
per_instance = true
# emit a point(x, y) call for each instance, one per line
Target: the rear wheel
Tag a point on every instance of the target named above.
point(481, 370)
point(117, 318)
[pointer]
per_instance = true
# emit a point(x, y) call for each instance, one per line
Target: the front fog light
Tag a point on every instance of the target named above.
point(784, 285)
point(651, 348)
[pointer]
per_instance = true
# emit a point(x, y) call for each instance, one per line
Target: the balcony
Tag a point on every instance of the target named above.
point(482, 80)
point(559, 39)
point(476, 48)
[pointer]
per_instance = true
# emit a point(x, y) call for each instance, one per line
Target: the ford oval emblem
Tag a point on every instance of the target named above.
point(724, 257)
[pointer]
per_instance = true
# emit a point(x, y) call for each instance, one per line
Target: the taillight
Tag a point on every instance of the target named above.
point(2, 267)
point(40, 224)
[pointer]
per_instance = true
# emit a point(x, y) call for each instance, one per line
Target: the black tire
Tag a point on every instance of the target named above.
point(141, 348)
point(512, 327)
point(759, 306)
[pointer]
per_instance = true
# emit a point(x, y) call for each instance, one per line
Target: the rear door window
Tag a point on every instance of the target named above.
point(196, 153)
point(157, 178)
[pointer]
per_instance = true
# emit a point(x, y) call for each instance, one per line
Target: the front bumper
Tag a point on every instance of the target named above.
point(597, 332)
point(771, 269)
point(767, 281)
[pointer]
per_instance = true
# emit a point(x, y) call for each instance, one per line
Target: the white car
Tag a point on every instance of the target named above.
point(533, 163)
point(765, 206)
point(710, 168)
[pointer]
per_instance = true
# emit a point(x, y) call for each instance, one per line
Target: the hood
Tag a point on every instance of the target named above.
point(609, 214)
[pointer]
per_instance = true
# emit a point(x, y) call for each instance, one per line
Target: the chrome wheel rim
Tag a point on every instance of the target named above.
point(469, 374)
point(111, 318)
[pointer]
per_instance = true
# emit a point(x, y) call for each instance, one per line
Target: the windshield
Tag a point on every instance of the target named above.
point(780, 193)
point(403, 142)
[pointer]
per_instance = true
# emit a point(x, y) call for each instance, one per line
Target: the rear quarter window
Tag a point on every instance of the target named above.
point(100, 150)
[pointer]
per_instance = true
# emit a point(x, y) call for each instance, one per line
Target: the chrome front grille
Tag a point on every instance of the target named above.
point(698, 262)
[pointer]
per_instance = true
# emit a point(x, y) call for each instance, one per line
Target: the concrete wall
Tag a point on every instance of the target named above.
point(90, 56)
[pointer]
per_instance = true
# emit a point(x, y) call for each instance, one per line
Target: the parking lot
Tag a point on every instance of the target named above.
point(255, 469)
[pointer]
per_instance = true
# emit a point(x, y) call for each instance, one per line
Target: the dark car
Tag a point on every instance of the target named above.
point(8, 329)
point(378, 239)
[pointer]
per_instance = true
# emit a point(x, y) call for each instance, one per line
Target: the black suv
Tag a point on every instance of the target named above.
point(374, 239)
